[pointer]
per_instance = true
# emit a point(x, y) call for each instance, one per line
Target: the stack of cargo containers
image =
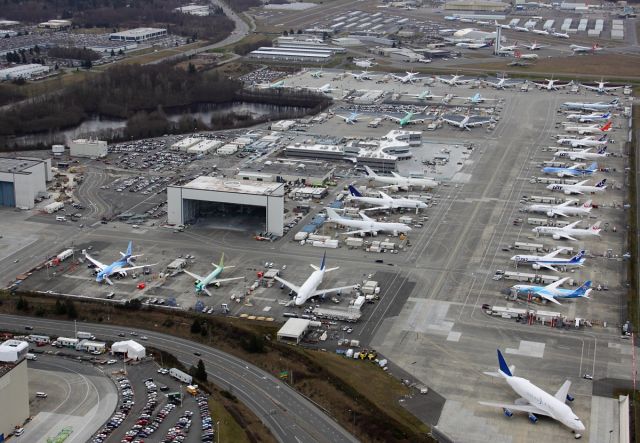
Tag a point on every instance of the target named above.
point(597, 29)
point(617, 30)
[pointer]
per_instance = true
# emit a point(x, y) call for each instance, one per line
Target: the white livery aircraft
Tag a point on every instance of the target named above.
point(309, 288)
point(560, 34)
point(577, 49)
point(540, 31)
point(476, 98)
point(591, 129)
point(364, 62)
point(509, 48)
point(325, 89)
point(551, 84)
point(569, 232)
point(398, 182)
point(466, 121)
point(600, 87)
point(424, 95)
point(534, 401)
point(409, 78)
point(589, 141)
point(588, 118)
point(454, 80)
point(579, 188)
point(366, 225)
point(502, 82)
point(385, 201)
point(534, 46)
point(566, 209)
point(593, 107)
point(364, 75)
point(549, 261)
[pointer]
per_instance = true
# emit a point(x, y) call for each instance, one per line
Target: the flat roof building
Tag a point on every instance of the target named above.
point(14, 392)
point(138, 34)
point(23, 71)
point(88, 148)
point(293, 330)
point(22, 180)
point(198, 10)
point(291, 54)
point(55, 24)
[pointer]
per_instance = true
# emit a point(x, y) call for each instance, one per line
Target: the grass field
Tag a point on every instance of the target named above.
point(229, 429)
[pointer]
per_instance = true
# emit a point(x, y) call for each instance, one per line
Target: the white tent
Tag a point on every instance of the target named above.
point(133, 349)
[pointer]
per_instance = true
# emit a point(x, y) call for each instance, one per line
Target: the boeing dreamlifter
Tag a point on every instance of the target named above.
point(400, 182)
point(118, 267)
point(309, 288)
point(534, 401)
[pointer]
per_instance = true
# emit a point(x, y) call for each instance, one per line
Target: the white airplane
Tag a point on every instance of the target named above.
point(565, 209)
point(591, 129)
point(364, 62)
point(476, 98)
point(364, 75)
point(577, 49)
point(409, 78)
point(553, 291)
point(424, 95)
point(520, 55)
point(549, 261)
point(503, 82)
point(455, 80)
point(472, 45)
point(275, 85)
point(588, 118)
point(398, 182)
point(317, 74)
point(534, 46)
point(385, 201)
point(560, 34)
point(589, 141)
point(366, 225)
point(534, 400)
point(569, 232)
point(601, 88)
point(579, 188)
point(325, 89)
point(466, 121)
point(351, 118)
point(509, 48)
point(309, 288)
point(521, 28)
point(503, 26)
point(550, 84)
point(118, 267)
point(592, 106)
point(540, 31)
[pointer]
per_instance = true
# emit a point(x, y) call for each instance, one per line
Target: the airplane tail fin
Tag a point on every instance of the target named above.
point(587, 204)
point(603, 138)
point(323, 262)
point(602, 150)
point(593, 167)
point(504, 368)
point(576, 258)
point(370, 171)
point(364, 216)
point(615, 101)
point(606, 127)
point(221, 265)
point(129, 249)
point(583, 290)
point(601, 183)
point(595, 227)
point(354, 192)
point(333, 215)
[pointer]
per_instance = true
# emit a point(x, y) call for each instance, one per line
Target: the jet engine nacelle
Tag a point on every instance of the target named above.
point(567, 192)
point(572, 158)
point(532, 418)
point(556, 237)
point(122, 273)
point(570, 397)
point(535, 266)
point(507, 412)
point(550, 214)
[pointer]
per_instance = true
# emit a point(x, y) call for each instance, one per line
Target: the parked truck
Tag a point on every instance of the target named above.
point(181, 376)
point(53, 207)
point(85, 335)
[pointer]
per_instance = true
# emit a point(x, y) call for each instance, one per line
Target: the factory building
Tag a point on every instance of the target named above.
point(229, 203)
point(476, 5)
point(292, 54)
point(55, 24)
point(198, 10)
point(138, 34)
point(14, 386)
point(88, 148)
point(22, 180)
point(23, 71)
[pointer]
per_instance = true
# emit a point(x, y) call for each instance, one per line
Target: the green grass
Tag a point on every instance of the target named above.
point(229, 429)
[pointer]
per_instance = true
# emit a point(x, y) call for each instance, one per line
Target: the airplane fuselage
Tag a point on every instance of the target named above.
point(573, 232)
point(309, 287)
point(568, 210)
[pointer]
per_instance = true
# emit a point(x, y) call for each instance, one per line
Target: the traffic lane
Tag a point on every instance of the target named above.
point(306, 418)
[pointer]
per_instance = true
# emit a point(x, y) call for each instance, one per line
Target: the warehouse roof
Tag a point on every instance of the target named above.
point(235, 186)
point(294, 327)
point(17, 165)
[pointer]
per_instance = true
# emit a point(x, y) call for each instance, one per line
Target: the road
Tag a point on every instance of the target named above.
point(288, 415)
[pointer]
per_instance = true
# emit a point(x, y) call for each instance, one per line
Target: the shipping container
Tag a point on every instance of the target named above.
point(181, 376)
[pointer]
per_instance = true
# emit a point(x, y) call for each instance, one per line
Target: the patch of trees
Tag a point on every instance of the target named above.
point(73, 53)
point(243, 5)
point(9, 94)
point(245, 48)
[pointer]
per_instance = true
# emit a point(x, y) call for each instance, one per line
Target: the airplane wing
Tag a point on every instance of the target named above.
point(289, 285)
point(376, 208)
point(543, 265)
point(567, 236)
point(552, 254)
point(521, 408)
point(99, 265)
point(222, 280)
point(563, 391)
point(591, 88)
point(391, 117)
point(556, 284)
point(196, 276)
point(548, 297)
point(133, 267)
point(344, 117)
point(326, 291)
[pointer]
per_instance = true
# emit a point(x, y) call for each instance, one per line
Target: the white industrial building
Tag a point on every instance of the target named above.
point(186, 143)
point(204, 146)
point(12, 351)
point(23, 71)
point(138, 34)
point(132, 349)
point(88, 148)
point(91, 346)
point(55, 24)
point(292, 54)
point(22, 180)
point(199, 10)
point(14, 393)
point(219, 198)
point(293, 330)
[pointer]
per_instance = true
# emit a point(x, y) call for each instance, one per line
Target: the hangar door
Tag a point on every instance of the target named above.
point(7, 194)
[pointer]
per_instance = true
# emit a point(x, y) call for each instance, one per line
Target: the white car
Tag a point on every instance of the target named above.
point(112, 362)
point(144, 337)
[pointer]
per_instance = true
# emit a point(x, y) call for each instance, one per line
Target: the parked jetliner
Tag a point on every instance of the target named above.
point(366, 225)
point(201, 283)
point(477, 98)
point(326, 88)
point(409, 78)
point(309, 288)
point(593, 107)
point(503, 82)
point(385, 201)
point(550, 84)
point(585, 141)
point(534, 46)
point(274, 85)
point(577, 49)
point(509, 48)
point(400, 182)
point(317, 74)
point(576, 170)
point(364, 75)
point(474, 45)
point(591, 129)
point(364, 62)
point(466, 121)
point(566, 209)
point(454, 80)
point(553, 291)
point(119, 267)
point(534, 400)
point(351, 118)
point(588, 118)
point(584, 154)
point(550, 260)
point(519, 55)
point(424, 95)
point(579, 188)
point(406, 120)
point(569, 232)
point(540, 31)
point(600, 88)
point(560, 34)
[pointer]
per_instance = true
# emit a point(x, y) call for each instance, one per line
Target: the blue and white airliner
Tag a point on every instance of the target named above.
point(119, 267)
point(550, 260)
point(553, 291)
point(576, 170)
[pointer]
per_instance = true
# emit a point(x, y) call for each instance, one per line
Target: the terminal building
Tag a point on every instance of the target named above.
point(138, 34)
point(292, 54)
point(229, 203)
point(88, 148)
point(23, 180)
point(14, 386)
point(198, 10)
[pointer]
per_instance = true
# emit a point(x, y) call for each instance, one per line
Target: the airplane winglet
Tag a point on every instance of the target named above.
point(504, 368)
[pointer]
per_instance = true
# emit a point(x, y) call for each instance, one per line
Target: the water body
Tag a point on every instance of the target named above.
point(107, 128)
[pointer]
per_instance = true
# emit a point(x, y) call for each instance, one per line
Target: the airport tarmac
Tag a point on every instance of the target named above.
point(429, 319)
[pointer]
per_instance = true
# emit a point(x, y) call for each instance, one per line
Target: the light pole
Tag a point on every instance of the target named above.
point(218, 432)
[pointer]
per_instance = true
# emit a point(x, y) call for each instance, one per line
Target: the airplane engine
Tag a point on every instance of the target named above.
point(122, 273)
point(556, 237)
point(572, 158)
point(507, 412)
point(570, 397)
point(533, 418)
point(217, 284)
point(550, 214)
point(535, 266)
point(560, 175)
point(567, 192)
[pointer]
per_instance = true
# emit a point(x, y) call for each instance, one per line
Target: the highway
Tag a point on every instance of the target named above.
point(288, 415)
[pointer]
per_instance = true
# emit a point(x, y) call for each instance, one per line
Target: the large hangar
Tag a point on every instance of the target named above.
point(228, 202)
point(22, 180)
